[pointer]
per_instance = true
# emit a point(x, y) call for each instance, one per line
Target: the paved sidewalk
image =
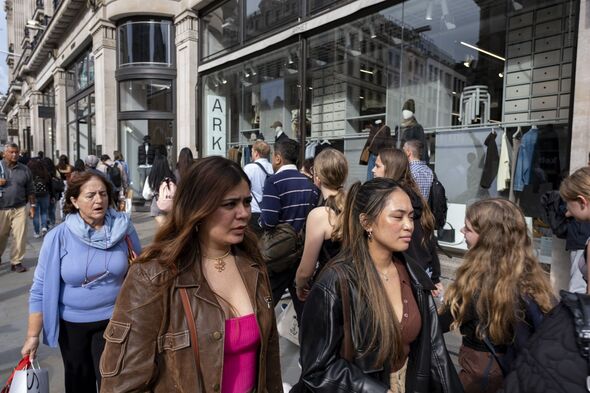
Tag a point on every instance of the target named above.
point(14, 292)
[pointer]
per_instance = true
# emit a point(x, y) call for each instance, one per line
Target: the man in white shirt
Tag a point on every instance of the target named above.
point(257, 172)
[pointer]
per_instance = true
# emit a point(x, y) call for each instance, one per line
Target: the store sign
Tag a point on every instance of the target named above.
point(216, 126)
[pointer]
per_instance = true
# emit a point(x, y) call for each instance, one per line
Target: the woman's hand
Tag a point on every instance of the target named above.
point(30, 347)
point(302, 292)
point(439, 290)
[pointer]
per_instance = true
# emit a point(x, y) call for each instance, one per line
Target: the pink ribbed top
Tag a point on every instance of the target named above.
point(240, 362)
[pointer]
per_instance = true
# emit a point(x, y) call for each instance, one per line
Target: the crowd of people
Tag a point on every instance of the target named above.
point(195, 309)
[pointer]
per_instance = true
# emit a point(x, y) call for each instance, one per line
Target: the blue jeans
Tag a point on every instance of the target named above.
point(371, 165)
point(40, 219)
point(51, 212)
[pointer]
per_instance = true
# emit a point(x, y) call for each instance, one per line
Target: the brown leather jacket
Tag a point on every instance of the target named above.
point(148, 345)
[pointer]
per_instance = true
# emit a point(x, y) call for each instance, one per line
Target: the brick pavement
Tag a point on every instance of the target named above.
point(14, 290)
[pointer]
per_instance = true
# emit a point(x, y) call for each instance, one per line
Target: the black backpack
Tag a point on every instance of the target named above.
point(114, 175)
point(437, 200)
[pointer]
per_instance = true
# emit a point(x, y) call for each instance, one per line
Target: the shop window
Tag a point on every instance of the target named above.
point(247, 99)
point(145, 42)
point(221, 28)
point(80, 74)
point(139, 151)
point(263, 16)
point(81, 128)
point(145, 95)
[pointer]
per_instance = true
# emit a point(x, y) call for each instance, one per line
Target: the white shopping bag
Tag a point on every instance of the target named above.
point(31, 380)
point(287, 324)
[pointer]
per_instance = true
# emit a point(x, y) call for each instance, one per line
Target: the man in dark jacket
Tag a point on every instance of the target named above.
point(552, 361)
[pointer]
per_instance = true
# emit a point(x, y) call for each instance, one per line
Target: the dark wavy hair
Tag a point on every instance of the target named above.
point(75, 184)
point(176, 244)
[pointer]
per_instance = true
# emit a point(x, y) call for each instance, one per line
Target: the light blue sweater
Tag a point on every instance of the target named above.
point(72, 252)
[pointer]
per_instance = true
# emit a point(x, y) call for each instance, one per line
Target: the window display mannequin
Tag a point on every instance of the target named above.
point(279, 133)
point(411, 129)
point(145, 158)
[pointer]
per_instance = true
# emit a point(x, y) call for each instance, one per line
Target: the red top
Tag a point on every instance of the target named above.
point(240, 363)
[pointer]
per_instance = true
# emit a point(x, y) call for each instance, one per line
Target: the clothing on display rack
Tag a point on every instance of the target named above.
point(492, 159)
point(516, 141)
point(504, 175)
point(524, 164)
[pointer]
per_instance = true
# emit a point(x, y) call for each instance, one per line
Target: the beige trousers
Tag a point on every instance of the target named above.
point(15, 219)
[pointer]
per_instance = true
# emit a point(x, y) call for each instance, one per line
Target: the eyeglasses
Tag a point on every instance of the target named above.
point(91, 281)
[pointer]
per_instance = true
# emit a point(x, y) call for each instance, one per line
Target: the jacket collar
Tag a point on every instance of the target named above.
point(193, 277)
point(417, 274)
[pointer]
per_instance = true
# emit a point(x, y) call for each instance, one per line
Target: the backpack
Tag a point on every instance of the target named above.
point(40, 186)
point(165, 195)
point(437, 201)
point(57, 185)
point(114, 175)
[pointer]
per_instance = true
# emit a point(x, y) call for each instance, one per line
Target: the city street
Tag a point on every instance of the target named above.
point(14, 289)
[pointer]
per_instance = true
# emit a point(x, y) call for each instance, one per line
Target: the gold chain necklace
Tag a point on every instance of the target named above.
point(384, 275)
point(219, 261)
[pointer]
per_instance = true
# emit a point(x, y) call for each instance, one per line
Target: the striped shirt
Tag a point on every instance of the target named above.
point(288, 197)
point(423, 177)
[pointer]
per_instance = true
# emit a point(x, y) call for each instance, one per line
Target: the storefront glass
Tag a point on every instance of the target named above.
point(247, 99)
point(221, 28)
point(482, 76)
point(80, 74)
point(81, 132)
point(146, 95)
point(263, 16)
point(145, 42)
point(140, 152)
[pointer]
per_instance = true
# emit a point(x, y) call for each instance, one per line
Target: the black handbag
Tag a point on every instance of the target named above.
point(446, 235)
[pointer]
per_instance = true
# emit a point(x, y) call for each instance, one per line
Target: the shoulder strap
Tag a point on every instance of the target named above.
point(190, 320)
point(262, 167)
point(492, 350)
point(347, 348)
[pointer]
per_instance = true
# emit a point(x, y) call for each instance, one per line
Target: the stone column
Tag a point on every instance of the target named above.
point(104, 46)
point(61, 126)
point(24, 121)
point(186, 80)
point(580, 145)
point(35, 100)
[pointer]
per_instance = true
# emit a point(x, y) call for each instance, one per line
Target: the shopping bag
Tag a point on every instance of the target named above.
point(26, 378)
point(287, 324)
point(31, 380)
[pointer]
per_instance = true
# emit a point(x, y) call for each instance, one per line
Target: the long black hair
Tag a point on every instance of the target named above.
point(160, 171)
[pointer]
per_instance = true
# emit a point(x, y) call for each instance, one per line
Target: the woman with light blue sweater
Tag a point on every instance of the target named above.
point(82, 264)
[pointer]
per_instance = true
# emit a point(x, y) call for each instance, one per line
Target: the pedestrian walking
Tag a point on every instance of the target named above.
point(555, 359)
point(323, 228)
point(82, 264)
point(159, 173)
point(185, 160)
point(195, 312)
point(421, 172)
point(394, 164)
point(257, 171)
point(288, 198)
point(16, 189)
point(499, 296)
point(370, 322)
point(42, 187)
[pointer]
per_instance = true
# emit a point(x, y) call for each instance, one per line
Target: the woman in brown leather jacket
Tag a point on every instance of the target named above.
point(203, 258)
point(386, 337)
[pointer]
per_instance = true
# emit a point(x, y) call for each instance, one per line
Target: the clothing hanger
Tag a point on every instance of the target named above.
point(518, 133)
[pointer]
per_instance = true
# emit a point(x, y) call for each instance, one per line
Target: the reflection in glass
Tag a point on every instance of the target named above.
point(133, 132)
point(257, 94)
point(221, 28)
point(146, 94)
point(145, 42)
point(83, 137)
point(73, 141)
point(262, 16)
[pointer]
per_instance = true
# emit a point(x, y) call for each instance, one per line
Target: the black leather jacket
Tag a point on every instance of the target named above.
point(323, 370)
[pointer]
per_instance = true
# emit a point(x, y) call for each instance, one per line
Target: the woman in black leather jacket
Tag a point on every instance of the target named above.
point(395, 340)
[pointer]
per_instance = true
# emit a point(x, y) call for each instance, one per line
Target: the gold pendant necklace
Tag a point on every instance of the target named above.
point(384, 275)
point(219, 261)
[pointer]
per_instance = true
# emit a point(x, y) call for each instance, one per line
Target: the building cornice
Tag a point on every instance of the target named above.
point(50, 39)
